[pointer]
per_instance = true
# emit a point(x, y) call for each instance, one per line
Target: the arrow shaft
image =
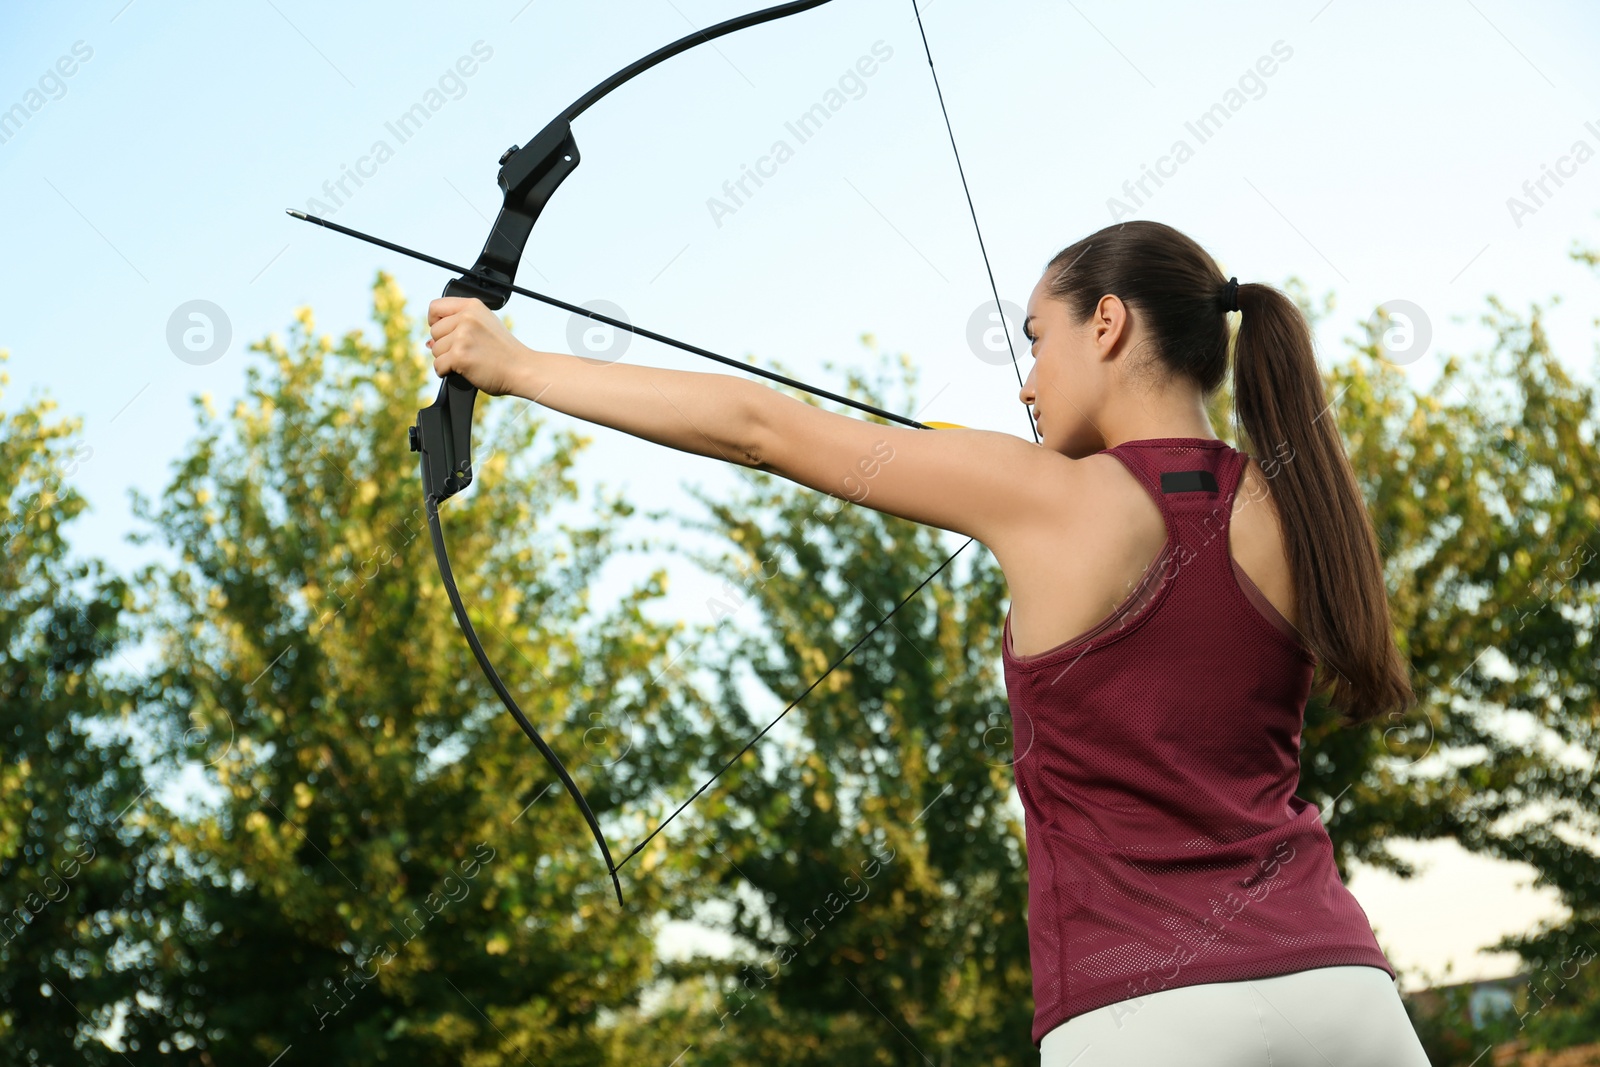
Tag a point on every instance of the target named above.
point(640, 331)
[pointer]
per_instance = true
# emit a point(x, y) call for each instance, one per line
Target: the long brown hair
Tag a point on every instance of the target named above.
point(1283, 420)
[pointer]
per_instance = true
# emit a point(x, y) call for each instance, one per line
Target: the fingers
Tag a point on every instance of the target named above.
point(449, 316)
point(443, 360)
point(462, 333)
point(440, 328)
point(449, 312)
point(450, 305)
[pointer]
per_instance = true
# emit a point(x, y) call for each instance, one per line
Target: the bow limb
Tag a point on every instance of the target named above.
point(504, 694)
point(530, 174)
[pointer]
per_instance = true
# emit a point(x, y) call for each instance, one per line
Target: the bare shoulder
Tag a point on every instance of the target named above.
point(1089, 512)
point(1256, 520)
point(1256, 540)
point(1084, 554)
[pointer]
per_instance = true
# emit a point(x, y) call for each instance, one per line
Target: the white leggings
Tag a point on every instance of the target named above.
point(1323, 1017)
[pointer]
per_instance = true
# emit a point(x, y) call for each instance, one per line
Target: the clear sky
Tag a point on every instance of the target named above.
point(1369, 148)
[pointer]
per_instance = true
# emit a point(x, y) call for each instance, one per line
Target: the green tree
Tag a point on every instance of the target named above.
point(71, 873)
point(385, 870)
point(380, 868)
point(1493, 505)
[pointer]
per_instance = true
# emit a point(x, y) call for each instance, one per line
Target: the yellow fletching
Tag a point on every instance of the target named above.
point(944, 426)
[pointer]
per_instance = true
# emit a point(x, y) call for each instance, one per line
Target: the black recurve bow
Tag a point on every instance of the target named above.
point(529, 176)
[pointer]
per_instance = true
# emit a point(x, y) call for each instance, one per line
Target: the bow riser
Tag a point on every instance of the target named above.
point(443, 434)
point(529, 176)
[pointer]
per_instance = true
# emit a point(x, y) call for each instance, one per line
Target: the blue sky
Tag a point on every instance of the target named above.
point(1375, 160)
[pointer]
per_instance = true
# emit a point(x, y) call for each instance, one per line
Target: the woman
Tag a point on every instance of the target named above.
point(1184, 905)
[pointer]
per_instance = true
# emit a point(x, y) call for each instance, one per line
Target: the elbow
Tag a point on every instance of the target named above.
point(756, 443)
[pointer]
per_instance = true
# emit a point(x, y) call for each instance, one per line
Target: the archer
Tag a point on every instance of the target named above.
point(1157, 730)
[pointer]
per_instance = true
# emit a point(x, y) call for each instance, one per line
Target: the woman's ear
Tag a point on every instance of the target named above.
point(1109, 323)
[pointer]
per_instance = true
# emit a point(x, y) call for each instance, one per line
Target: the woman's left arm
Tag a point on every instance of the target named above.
point(975, 482)
point(999, 489)
point(707, 414)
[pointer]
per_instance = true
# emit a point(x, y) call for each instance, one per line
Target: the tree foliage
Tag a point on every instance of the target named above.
point(348, 850)
point(73, 869)
point(381, 867)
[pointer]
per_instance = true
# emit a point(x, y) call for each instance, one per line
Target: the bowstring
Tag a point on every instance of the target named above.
point(993, 288)
point(1000, 310)
point(791, 706)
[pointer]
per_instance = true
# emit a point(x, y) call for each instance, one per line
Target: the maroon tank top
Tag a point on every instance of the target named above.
point(1157, 757)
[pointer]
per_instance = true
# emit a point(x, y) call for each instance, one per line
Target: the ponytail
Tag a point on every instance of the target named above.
point(1283, 421)
point(1287, 424)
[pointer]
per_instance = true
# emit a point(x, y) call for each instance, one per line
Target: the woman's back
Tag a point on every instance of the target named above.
point(1109, 533)
point(1157, 756)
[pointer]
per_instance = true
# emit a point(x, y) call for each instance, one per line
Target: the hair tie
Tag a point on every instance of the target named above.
point(1230, 295)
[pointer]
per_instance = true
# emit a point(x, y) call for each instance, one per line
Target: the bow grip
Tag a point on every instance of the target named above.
point(443, 434)
point(529, 176)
